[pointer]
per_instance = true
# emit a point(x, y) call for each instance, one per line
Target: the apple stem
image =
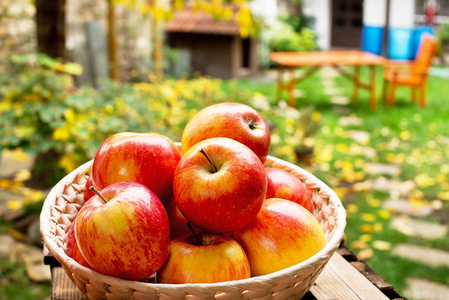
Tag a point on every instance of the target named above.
point(195, 235)
point(97, 192)
point(209, 159)
point(252, 124)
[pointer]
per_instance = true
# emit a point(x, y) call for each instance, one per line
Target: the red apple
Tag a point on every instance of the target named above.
point(211, 258)
point(147, 158)
point(283, 234)
point(124, 231)
point(178, 223)
point(220, 185)
point(87, 192)
point(72, 249)
point(285, 185)
point(232, 120)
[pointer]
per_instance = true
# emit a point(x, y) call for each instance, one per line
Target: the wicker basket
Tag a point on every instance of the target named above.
point(66, 198)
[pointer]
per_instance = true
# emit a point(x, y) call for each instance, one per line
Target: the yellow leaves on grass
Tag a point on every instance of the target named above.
point(370, 228)
point(368, 217)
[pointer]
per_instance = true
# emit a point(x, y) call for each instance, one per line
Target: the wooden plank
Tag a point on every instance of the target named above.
point(62, 288)
point(376, 279)
point(340, 280)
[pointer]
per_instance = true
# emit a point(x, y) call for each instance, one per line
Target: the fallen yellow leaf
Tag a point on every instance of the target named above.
point(365, 254)
point(382, 245)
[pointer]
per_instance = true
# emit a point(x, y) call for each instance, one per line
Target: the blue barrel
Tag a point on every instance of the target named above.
point(400, 43)
point(417, 33)
point(372, 39)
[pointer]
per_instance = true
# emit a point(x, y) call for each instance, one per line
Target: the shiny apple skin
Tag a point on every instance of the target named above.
point(283, 234)
point(88, 193)
point(219, 258)
point(282, 184)
point(128, 236)
point(72, 249)
point(222, 201)
point(178, 223)
point(229, 120)
point(147, 158)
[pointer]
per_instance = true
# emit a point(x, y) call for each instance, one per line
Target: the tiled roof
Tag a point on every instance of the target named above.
point(190, 21)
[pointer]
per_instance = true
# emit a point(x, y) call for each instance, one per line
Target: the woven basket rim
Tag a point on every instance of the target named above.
point(328, 250)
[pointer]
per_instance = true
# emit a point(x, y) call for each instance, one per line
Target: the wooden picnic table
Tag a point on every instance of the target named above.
point(344, 277)
point(336, 59)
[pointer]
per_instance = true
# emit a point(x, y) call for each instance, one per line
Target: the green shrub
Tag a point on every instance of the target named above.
point(282, 37)
point(42, 112)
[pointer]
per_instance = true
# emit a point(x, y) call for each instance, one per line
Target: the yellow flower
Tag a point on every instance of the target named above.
point(14, 204)
point(69, 115)
point(5, 183)
point(68, 163)
point(22, 175)
point(61, 134)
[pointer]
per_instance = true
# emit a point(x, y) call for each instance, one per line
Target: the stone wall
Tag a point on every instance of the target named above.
point(133, 32)
point(17, 29)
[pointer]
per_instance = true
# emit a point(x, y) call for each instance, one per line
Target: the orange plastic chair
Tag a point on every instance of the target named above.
point(413, 73)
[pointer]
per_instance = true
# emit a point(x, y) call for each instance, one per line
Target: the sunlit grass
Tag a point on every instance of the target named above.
point(406, 135)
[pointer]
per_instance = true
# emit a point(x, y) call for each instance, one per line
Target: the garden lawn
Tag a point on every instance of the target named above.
point(404, 138)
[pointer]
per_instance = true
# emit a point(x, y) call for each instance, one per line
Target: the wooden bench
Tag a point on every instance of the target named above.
point(344, 277)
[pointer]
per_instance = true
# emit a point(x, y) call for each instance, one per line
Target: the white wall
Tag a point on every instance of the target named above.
point(402, 13)
point(321, 11)
point(374, 12)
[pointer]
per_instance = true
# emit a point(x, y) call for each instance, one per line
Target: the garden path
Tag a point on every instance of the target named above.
point(408, 216)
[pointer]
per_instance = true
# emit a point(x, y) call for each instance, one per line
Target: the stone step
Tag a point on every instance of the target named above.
point(362, 137)
point(418, 288)
point(13, 161)
point(418, 228)
point(339, 100)
point(406, 207)
point(424, 255)
point(400, 188)
point(381, 168)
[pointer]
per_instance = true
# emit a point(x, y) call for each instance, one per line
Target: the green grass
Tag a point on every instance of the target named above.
point(14, 284)
point(414, 138)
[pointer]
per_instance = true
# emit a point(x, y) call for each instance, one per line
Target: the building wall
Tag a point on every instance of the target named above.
point(320, 10)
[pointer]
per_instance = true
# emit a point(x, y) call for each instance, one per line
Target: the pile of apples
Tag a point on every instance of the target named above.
point(211, 212)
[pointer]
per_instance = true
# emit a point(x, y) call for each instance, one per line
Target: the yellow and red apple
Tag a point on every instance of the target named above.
point(178, 223)
point(72, 249)
point(283, 234)
point(87, 192)
point(231, 120)
point(207, 258)
point(285, 185)
point(124, 231)
point(147, 158)
point(220, 185)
